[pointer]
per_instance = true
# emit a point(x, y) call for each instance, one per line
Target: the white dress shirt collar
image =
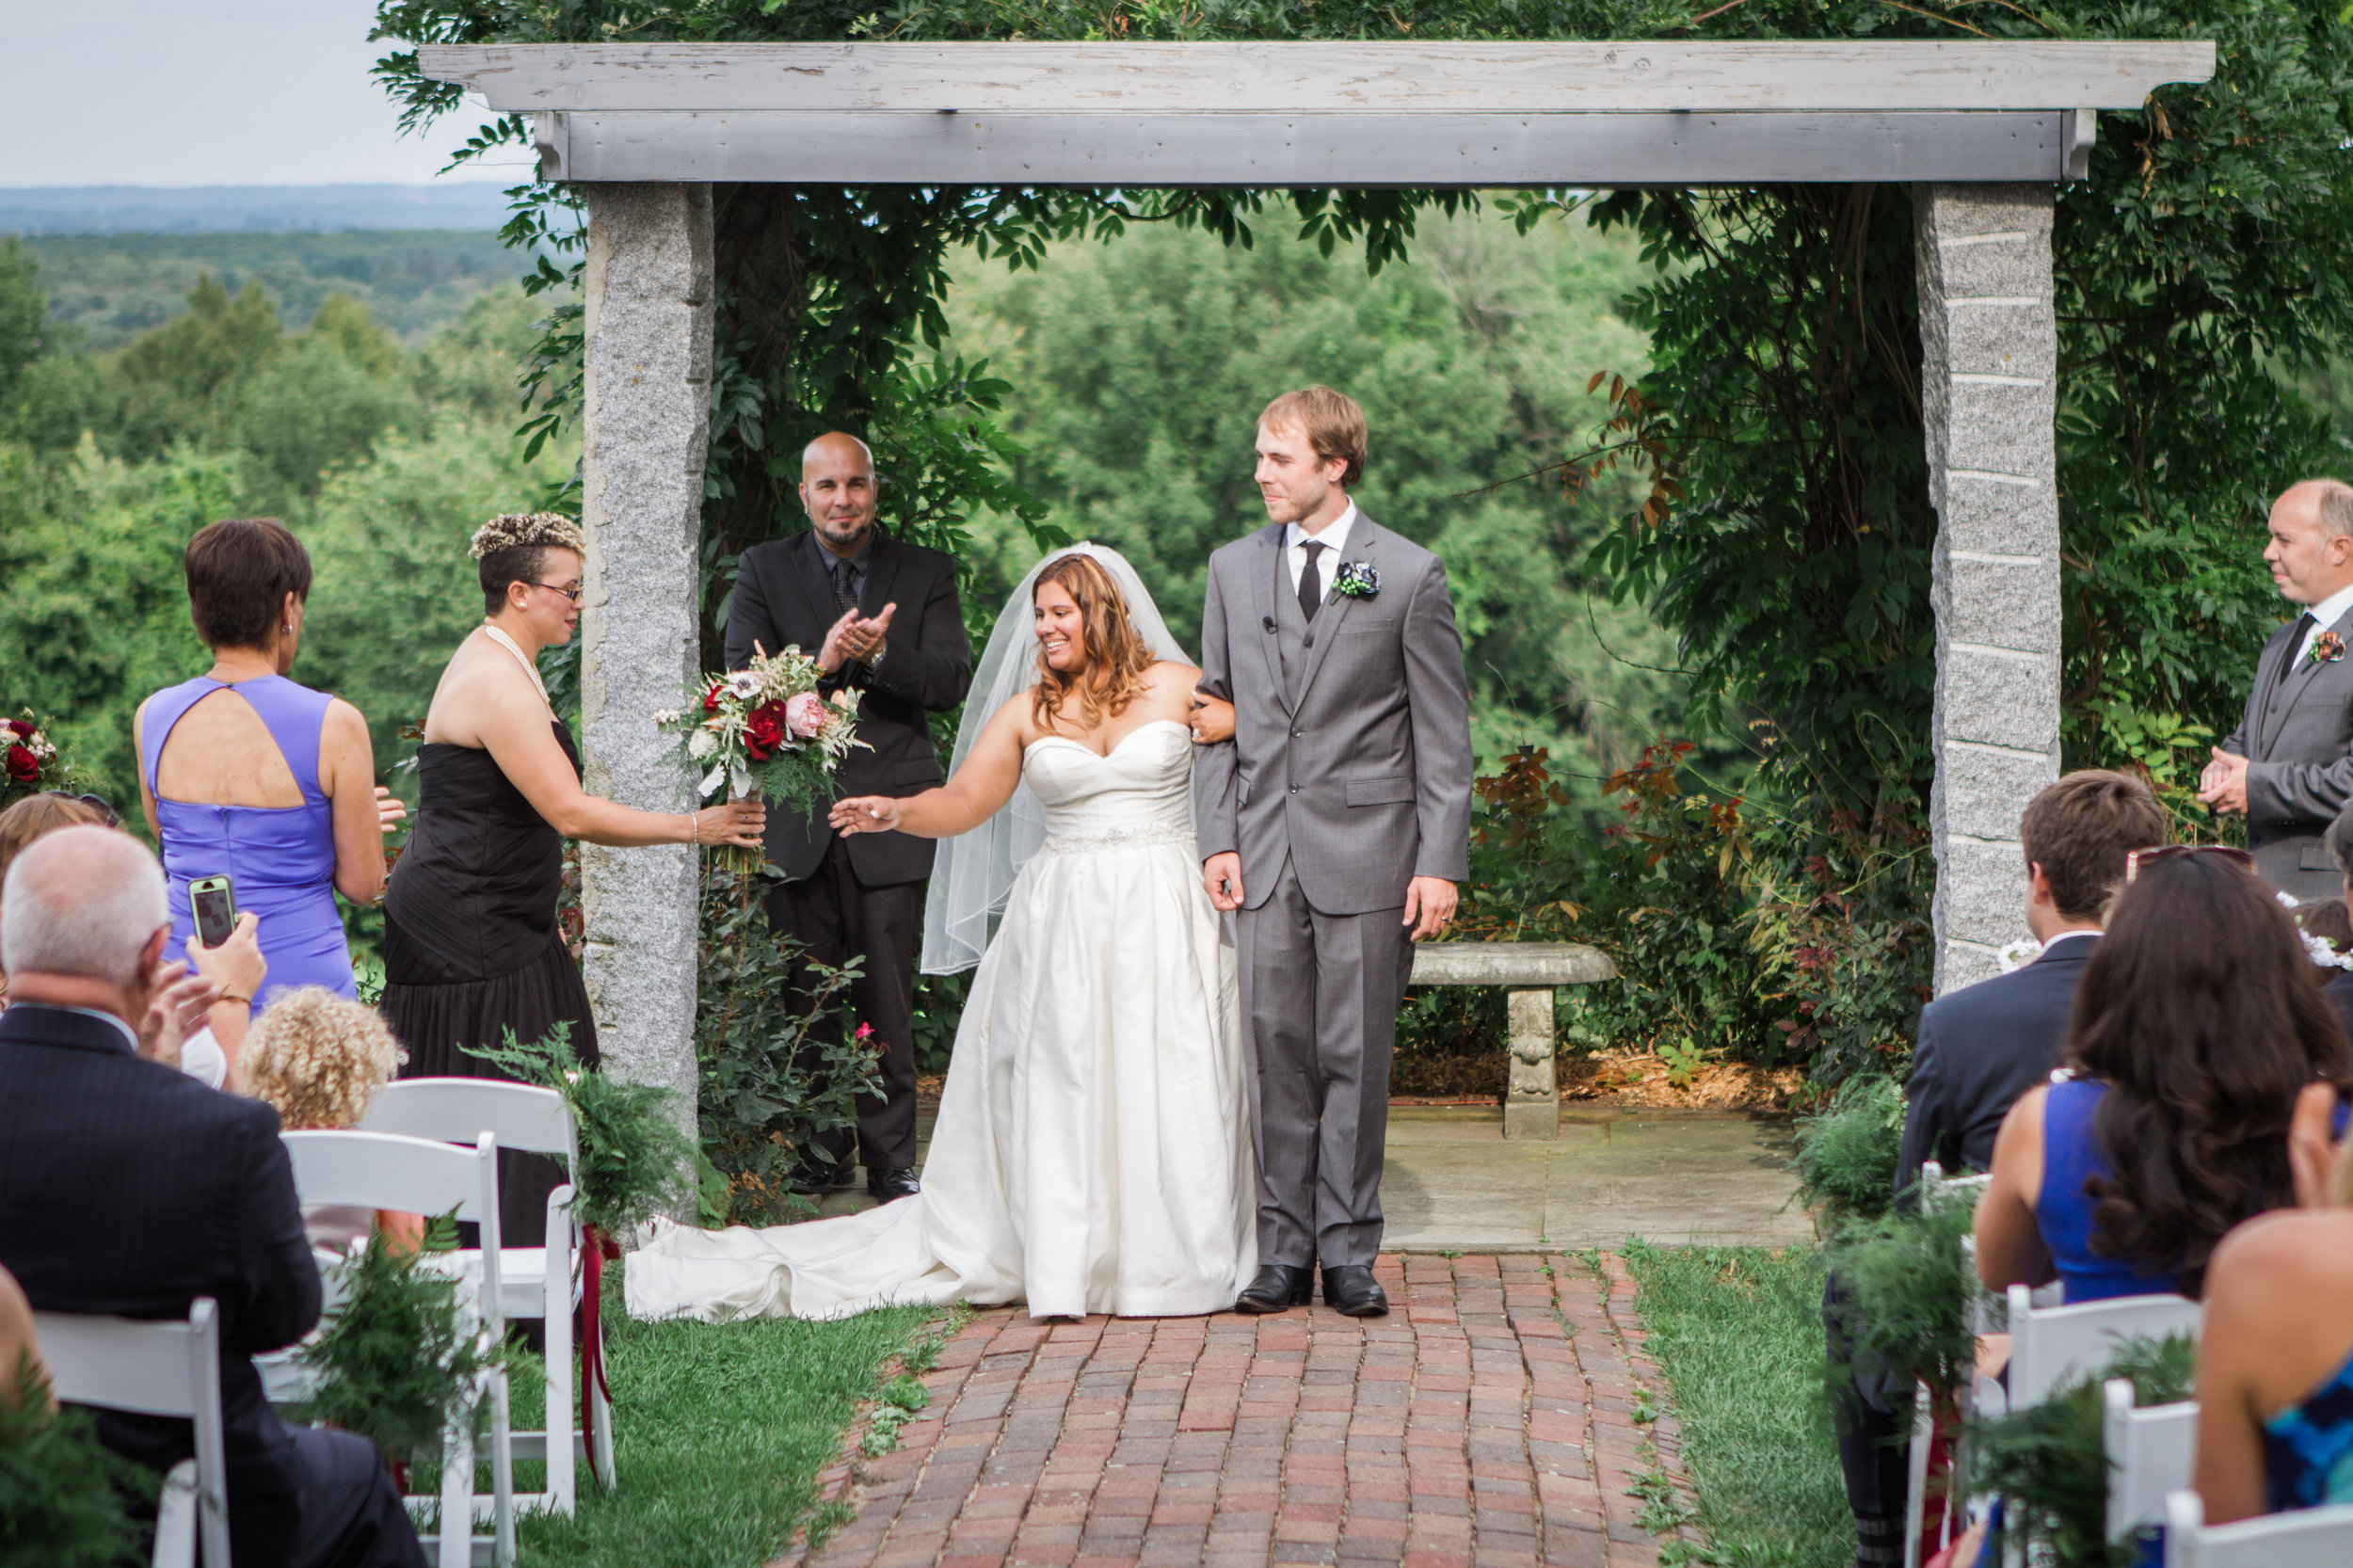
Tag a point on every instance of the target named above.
point(1327, 564)
point(2325, 614)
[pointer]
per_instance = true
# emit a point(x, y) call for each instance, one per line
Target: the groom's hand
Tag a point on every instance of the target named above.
point(1428, 904)
point(1220, 876)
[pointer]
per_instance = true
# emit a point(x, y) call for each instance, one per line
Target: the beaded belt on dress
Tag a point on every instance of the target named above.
point(1118, 838)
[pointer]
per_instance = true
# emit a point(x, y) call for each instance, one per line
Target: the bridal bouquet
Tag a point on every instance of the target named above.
point(764, 731)
point(29, 761)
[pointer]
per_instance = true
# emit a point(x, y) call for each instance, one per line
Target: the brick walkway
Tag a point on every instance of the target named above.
point(1490, 1418)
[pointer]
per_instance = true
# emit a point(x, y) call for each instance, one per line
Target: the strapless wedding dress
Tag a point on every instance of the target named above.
point(1093, 1147)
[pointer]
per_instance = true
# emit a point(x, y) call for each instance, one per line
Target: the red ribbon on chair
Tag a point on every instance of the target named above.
point(596, 1249)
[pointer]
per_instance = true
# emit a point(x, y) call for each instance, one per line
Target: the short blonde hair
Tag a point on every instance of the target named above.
point(319, 1059)
point(1334, 426)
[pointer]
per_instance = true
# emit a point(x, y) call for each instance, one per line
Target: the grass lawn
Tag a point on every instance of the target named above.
point(1737, 1332)
point(721, 1430)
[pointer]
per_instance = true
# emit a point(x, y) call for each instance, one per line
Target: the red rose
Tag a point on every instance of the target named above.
point(23, 766)
point(22, 727)
point(764, 731)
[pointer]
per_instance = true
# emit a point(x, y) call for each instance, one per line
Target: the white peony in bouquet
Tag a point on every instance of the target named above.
point(764, 731)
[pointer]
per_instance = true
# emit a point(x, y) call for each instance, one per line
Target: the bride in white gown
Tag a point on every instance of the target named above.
point(1092, 1152)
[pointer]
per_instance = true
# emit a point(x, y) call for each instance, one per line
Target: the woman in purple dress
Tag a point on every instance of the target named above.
point(248, 775)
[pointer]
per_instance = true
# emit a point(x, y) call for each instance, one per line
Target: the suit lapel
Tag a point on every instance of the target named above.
point(1362, 540)
point(809, 580)
point(2292, 683)
point(1262, 588)
point(882, 576)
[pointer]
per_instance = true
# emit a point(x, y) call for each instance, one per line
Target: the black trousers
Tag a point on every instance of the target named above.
point(836, 918)
point(1871, 1414)
point(343, 1513)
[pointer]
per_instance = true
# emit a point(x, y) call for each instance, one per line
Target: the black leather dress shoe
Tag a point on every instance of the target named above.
point(1277, 1286)
point(1350, 1289)
point(815, 1181)
point(890, 1183)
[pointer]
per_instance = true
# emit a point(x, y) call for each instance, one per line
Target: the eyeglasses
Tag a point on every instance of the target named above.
point(2139, 858)
point(97, 803)
point(572, 594)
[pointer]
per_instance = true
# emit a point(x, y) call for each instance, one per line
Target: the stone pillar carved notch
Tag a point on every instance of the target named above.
point(644, 426)
point(1987, 373)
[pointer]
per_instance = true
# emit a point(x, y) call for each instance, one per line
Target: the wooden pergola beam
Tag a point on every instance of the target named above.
point(1289, 78)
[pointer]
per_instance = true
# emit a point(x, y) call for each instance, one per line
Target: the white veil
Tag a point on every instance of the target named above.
point(973, 874)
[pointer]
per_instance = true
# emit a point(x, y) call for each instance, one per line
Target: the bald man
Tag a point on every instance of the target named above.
point(882, 618)
point(2288, 767)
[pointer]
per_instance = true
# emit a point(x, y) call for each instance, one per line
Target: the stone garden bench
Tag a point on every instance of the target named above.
point(1531, 972)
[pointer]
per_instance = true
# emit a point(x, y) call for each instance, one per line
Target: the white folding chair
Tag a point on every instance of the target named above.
point(149, 1368)
point(423, 1175)
point(2048, 1345)
point(2150, 1453)
point(534, 1282)
point(2303, 1538)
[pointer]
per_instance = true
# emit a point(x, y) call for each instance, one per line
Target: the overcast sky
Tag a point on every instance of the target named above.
point(205, 92)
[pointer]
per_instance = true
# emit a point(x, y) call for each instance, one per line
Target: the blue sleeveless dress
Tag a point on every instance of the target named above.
point(280, 859)
point(2071, 1154)
point(2308, 1449)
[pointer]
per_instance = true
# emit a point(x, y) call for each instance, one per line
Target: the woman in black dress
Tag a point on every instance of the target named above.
point(471, 944)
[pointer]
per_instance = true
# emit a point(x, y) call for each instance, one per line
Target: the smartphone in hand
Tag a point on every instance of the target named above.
point(214, 902)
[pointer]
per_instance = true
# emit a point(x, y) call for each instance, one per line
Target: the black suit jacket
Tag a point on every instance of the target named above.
point(783, 595)
point(130, 1189)
point(2338, 989)
point(1979, 1049)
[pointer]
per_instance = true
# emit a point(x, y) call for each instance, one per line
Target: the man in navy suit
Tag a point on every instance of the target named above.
point(128, 1188)
point(1978, 1049)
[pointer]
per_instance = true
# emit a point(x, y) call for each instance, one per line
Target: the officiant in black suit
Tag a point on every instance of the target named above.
point(883, 618)
point(2288, 767)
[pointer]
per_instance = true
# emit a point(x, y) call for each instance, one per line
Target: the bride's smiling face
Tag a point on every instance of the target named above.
point(1062, 628)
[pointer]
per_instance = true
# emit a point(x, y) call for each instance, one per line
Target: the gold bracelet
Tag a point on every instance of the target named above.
point(231, 996)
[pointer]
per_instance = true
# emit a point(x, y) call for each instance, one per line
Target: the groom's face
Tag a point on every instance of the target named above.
point(1296, 484)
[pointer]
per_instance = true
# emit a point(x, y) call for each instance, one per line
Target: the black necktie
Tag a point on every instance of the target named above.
point(1310, 590)
point(845, 586)
point(2304, 624)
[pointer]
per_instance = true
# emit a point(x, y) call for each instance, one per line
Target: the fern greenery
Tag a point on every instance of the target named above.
point(1848, 1153)
point(394, 1362)
point(62, 1493)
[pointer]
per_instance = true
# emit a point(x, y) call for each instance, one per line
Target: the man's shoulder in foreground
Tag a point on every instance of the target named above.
point(61, 1046)
point(910, 554)
point(1400, 549)
point(2030, 988)
point(1235, 549)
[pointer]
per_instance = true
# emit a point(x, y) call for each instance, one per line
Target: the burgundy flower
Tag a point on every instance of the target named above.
point(710, 698)
point(23, 767)
point(22, 728)
point(764, 731)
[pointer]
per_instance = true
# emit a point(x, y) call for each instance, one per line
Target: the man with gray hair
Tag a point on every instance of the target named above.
point(2288, 768)
point(129, 1189)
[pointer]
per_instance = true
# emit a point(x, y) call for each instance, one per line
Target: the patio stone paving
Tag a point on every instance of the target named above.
point(1490, 1419)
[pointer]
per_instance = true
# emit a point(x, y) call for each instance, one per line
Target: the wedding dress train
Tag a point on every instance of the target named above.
point(1092, 1152)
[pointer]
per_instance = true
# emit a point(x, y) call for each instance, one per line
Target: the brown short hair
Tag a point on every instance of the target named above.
point(1334, 426)
point(2080, 831)
point(239, 572)
point(36, 815)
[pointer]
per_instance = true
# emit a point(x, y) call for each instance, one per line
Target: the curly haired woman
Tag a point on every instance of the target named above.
point(470, 945)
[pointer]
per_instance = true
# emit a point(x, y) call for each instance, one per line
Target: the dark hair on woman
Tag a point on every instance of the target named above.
point(239, 572)
point(513, 548)
point(2202, 1014)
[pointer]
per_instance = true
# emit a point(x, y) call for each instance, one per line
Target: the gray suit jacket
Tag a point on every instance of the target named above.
point(1364, 779)
point(2298, 737)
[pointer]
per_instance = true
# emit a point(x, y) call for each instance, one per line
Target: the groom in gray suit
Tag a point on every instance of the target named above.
point(1336, 822)
point(2289, 765)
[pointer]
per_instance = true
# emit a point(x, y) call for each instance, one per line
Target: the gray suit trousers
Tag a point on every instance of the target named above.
point(1319, 1005)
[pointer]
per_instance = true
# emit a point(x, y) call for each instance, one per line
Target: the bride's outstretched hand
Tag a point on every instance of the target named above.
point(865, 814)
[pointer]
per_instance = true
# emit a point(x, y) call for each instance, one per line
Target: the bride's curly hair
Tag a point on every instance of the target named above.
point(1116, 656)
point(2202, 1014)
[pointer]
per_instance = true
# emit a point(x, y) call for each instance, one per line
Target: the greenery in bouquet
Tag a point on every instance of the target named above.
point(396, 1362)
point(2049, 1461)
point(61, 1492)
point(635, 1160)
point(764, 731)
point(30, 761)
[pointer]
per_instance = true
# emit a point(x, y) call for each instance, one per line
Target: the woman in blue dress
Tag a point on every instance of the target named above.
point(2198, 1023)
point(246, 774)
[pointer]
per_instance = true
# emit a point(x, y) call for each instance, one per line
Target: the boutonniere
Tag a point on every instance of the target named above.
point(1362, 579)
point(2327, 649)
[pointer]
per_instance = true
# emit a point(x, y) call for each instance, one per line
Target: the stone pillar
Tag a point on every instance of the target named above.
point(1989, 363)
point(1532, 1107)
point(643, 425)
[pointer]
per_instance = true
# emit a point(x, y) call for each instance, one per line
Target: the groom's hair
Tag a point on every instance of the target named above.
point(1334, 426)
